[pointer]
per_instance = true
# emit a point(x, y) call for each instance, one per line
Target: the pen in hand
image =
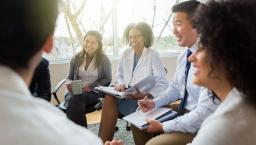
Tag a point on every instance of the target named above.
point(139, 105)
point(146, 104)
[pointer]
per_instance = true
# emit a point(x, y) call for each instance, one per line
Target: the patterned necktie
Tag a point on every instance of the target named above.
point(183, 100)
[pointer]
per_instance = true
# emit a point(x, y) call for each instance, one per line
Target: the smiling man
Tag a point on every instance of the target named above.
point(195, 105)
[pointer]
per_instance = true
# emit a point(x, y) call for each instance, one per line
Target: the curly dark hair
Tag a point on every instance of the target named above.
point(227, 32)
point(146, 32)
point(126, 33)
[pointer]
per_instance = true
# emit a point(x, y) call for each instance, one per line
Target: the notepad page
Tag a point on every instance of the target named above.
point(138, 118)
point(111, 90)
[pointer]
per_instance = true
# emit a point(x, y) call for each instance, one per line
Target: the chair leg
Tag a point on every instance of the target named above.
point(128, 126)
point(116, 128)
point(56, 98)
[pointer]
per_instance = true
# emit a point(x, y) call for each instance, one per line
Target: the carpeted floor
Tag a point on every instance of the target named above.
point(125, 136)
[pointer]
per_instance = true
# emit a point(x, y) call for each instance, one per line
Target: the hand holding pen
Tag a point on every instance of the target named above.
point(146, 104)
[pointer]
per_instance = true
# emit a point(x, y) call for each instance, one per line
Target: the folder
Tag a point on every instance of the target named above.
point(138, 118)
point(144, 85)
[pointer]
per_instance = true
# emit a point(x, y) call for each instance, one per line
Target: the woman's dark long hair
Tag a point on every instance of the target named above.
point(99, 51)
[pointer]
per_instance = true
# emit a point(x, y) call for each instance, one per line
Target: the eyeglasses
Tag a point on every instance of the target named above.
point(134, 36)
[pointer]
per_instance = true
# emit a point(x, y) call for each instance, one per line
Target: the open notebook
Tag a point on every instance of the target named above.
point(138, 118)
point(144, 86)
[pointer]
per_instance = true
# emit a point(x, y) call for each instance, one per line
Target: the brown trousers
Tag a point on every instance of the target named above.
point(174, 138)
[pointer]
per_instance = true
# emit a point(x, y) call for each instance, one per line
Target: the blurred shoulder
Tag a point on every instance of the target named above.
point(45, 61)
point(104, 56)
point(152, 51)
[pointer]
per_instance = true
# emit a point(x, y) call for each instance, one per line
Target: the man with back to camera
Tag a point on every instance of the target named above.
point(26, 31)
point(197, 104)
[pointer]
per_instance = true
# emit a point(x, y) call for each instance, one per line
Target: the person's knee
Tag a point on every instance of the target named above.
point(160, 140)
point(110, 98)
point(175, 138)
point(109, 101)
point(77, 97)
point(152, 141)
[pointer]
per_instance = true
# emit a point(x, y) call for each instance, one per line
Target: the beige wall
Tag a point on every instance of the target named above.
point(60, 71)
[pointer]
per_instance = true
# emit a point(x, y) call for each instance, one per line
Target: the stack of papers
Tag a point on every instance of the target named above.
point(110, 91)
point(144, 85)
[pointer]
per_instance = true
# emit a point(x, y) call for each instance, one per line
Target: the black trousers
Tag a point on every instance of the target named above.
point(78, 105)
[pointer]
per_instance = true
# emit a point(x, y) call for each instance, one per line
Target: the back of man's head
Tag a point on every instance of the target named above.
point(25, 26)
point(188, 7)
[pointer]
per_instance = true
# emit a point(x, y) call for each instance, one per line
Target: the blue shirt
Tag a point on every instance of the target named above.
point(198, 102)
point(136, 60)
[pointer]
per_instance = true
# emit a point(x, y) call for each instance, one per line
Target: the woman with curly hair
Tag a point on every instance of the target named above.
point(225, 63)
point(137, 62)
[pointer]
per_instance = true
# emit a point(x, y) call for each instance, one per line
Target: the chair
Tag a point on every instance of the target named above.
point(97, 106)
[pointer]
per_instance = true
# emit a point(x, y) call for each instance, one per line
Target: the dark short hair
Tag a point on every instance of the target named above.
point(227, 32)
point(24, 28)
point(145, 31)
point(188, 7)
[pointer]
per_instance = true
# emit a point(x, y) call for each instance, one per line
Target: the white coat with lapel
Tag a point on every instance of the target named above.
point(149, 64)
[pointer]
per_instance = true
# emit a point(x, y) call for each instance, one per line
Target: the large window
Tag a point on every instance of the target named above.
point(110, 17)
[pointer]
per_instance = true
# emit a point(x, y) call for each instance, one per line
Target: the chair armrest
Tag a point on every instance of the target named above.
point(56, 88)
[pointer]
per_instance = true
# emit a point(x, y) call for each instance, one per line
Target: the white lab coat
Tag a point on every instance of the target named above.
point(149, 64)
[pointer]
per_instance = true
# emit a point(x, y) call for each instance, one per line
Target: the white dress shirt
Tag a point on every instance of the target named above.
point(26, 120)
point(198, 102)
point(233, 123)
